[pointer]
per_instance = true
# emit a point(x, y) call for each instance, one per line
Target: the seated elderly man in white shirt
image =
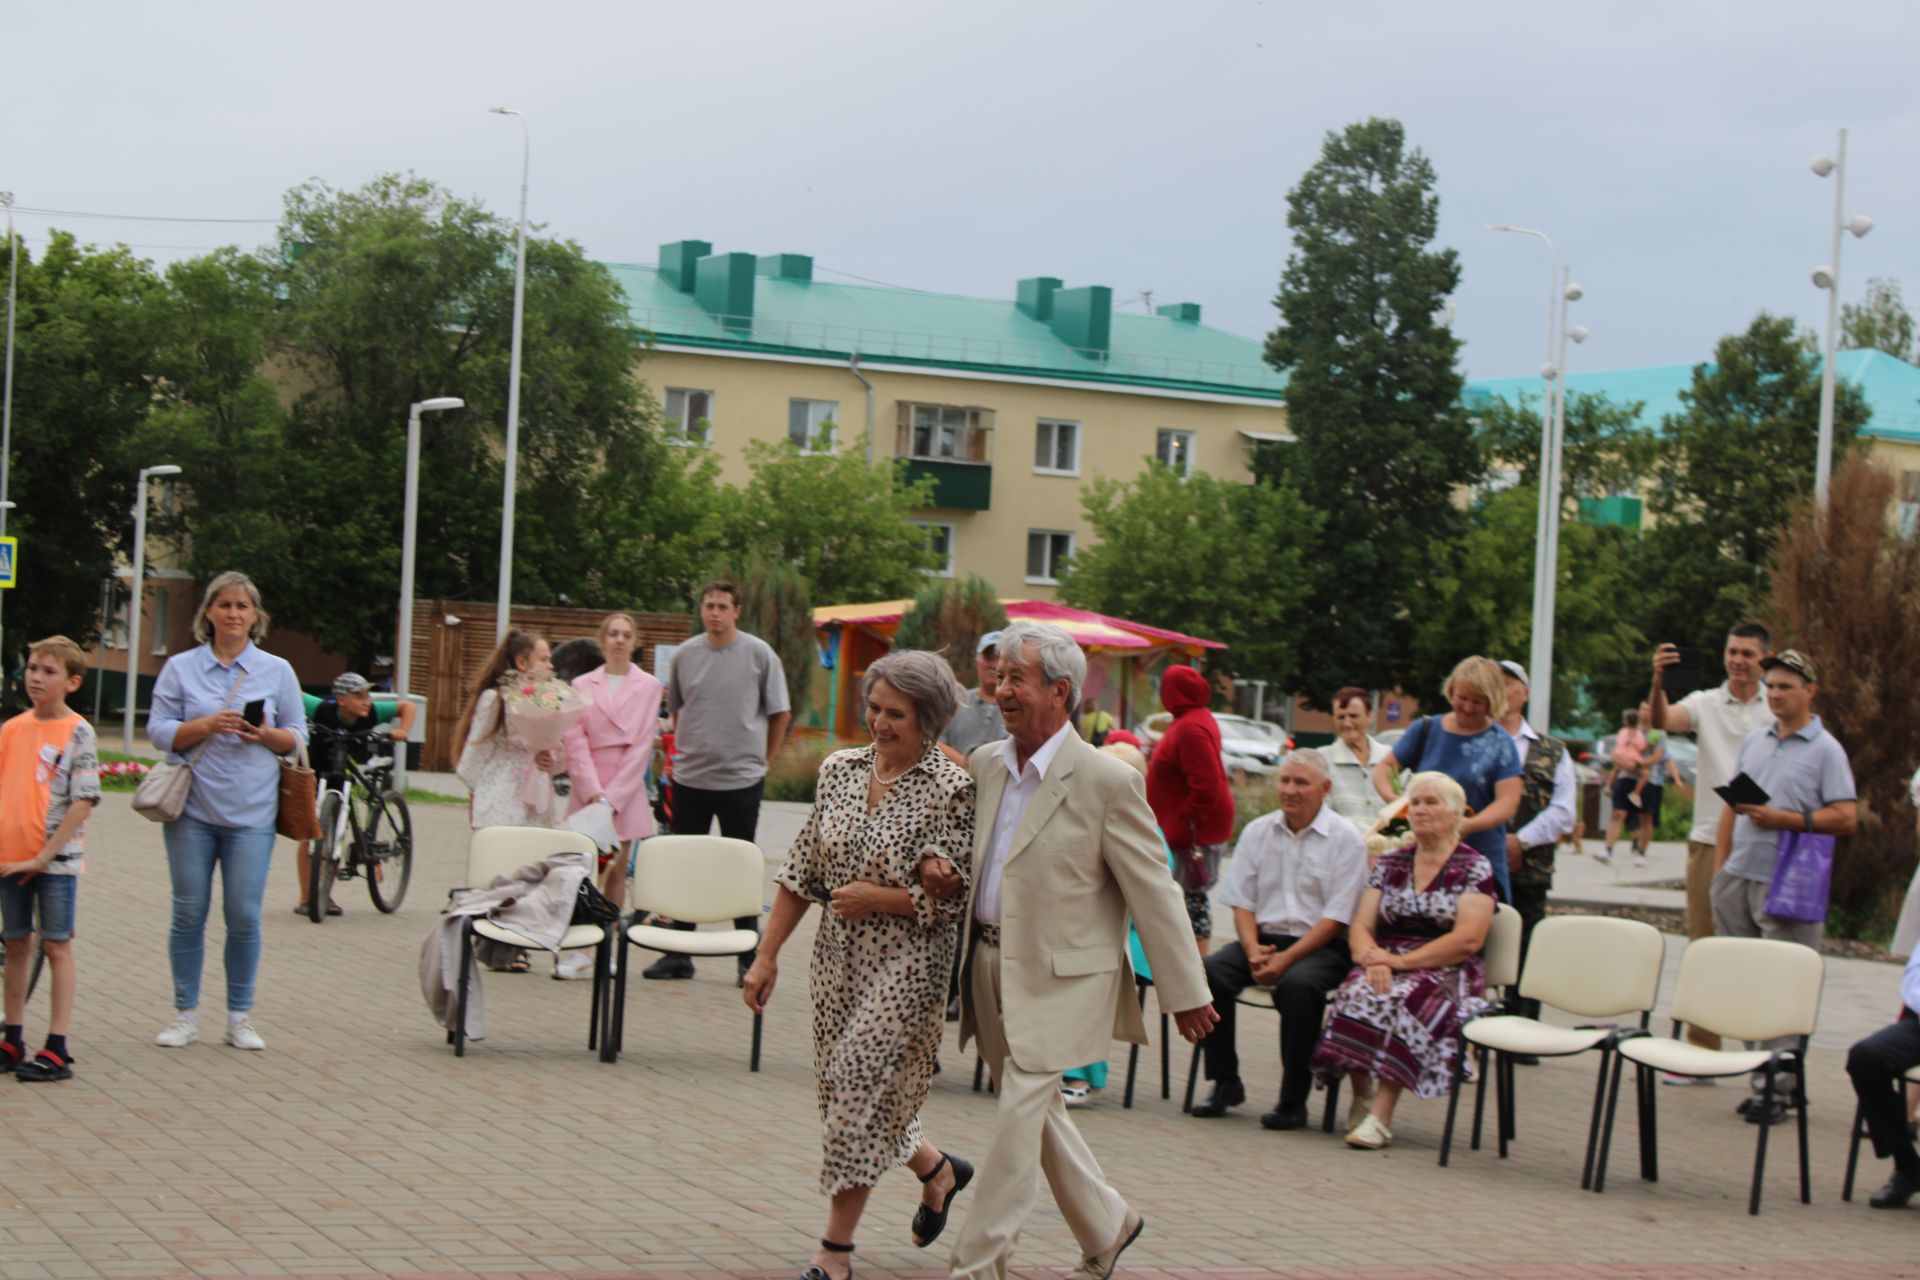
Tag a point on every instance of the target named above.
point(1294, 881)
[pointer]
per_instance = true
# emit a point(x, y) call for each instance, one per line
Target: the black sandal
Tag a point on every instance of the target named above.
point(929, 1223)
point(44, 1065)
point(817, 1272)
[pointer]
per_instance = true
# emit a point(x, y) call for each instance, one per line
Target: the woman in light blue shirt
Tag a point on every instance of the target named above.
point(198, 714)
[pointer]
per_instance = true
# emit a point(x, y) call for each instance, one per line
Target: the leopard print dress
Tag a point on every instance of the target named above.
point(879, 982)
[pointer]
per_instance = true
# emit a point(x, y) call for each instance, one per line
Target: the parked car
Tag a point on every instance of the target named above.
point(1248, 748)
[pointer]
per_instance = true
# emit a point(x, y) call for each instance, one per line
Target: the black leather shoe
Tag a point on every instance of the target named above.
point(668, 966)
point(1523, 1059)
point(1285, 1118)
point(1226, 1093)
point(1767, 1112)
point(1900, 1188)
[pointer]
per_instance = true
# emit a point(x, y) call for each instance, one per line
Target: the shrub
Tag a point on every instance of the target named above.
point(794, 773)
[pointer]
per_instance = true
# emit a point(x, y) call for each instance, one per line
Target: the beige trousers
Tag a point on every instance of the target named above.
point(1700, 916)
point(1031, 1135)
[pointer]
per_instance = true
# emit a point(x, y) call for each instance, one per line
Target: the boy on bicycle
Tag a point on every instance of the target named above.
point(350, 710)
point(49, 783)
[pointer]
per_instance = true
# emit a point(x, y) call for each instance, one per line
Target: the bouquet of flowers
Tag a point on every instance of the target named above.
point(538, 714)
point(1389, 832)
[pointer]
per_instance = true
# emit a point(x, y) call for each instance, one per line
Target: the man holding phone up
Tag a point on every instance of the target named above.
point(1720, 720)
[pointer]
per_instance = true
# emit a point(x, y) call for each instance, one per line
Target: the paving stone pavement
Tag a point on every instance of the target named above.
point(357, 1145)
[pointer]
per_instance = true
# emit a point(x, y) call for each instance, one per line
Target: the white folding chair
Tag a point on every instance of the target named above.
point(498, 851)
point(1744, 989)
point(1590, 966)
point(691, 880)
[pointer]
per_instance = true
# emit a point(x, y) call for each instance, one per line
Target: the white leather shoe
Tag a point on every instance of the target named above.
point(182, 1032)
point(1370, 1136)
point(575, 966)
point(241, 1035)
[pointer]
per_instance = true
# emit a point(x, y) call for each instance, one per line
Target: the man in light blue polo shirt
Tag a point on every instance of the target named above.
point(1809, 785)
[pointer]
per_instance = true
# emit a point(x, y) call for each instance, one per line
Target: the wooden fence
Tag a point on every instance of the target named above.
point(452, 640)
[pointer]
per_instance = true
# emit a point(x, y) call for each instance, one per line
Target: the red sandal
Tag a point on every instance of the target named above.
point(11, 1055)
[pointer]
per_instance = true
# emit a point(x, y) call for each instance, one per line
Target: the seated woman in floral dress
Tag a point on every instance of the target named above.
point(1394, 1024)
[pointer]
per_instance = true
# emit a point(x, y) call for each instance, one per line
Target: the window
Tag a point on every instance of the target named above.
point(940, 538)
point(810, 424)
point(1909, 508)
point(1047, 554)
point(1175, 449)
point(689, 416)
point(945, 433)
point(1056, 448)
point(113, 635)
point(162, 602)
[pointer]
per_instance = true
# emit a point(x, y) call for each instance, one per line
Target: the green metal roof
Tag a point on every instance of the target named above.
point(939, 330)
point(1890, 384)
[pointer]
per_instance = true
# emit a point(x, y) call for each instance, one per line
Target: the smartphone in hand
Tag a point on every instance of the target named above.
point(255, 713)
point(1686, 675)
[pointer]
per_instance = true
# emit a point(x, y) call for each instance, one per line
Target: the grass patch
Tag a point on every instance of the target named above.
point(416, 796)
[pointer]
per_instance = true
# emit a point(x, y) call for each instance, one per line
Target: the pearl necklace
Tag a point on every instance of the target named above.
point(887, 782)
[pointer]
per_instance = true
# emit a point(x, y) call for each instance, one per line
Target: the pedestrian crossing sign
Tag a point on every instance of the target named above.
point(9, 560)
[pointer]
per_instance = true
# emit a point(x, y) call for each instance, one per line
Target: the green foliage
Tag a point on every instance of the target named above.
point(1373, 398)
point(1879, 322)
point(948, 617)
point(88, 325)
point(840, 522)
point(1606, 447)
point(1485, 603)
point(1217, 558)
point(1732, 465)
point(794, 774)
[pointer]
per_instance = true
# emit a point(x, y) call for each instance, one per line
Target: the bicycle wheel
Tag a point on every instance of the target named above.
point(320, 864)
point(389, 850)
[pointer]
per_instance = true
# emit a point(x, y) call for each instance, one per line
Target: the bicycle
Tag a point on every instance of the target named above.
point(365, 826)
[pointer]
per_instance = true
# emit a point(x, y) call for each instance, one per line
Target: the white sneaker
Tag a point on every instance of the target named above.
point(575, 966)
point(184, 1030)
point(1639, 860)
point(1075, 1095)
point(1605, 855)
point(1370, 1136)
point(241, 1035)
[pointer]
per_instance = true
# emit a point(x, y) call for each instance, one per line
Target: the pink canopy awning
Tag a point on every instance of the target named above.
point(1095, 632)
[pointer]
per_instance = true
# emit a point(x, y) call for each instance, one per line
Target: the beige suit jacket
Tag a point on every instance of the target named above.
point(1087, 855)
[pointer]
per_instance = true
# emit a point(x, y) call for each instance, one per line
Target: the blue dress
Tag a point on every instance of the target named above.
point(1477, 762)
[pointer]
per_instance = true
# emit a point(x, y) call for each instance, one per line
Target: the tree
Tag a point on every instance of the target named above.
point(87, 324)
point(839, 521)
point(1879, 322)
point(1373, 399)
point(1485, 603)
point(1217, 558)
point(1846, 589)
point(948, 617)
point(1732, 466)
point(1606, 447)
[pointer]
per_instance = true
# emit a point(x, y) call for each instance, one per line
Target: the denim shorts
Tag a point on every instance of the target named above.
point(55, 895)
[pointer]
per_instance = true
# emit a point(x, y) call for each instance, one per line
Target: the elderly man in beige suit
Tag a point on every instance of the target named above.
point(1065, 850)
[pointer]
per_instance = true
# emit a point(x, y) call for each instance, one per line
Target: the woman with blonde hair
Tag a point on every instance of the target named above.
point(1469, 746)
point(1394, 1024)
point(232, 710)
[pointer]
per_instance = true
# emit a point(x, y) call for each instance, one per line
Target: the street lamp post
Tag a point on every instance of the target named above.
point(6, 420)
point(403, 646)
point(505, 605)
point(1828, 277)
point(137, 597)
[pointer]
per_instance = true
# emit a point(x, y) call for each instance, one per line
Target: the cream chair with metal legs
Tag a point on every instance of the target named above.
point(1744, 989)
point(691, 880)
point(1590, 966)
point(499, 851)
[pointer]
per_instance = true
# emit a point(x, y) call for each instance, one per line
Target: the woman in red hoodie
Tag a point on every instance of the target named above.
point(1187, 787)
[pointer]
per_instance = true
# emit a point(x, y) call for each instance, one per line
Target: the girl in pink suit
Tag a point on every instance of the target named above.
point(609, 749)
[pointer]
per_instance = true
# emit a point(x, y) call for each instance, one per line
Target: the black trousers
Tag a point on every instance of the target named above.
point(1876, 1065)
point(738, 811)
point(1301, 998)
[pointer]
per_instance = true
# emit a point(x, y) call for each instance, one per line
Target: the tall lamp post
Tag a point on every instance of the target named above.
point(505, 605)
point(403, 646)
point(1828, 277)
point(137, 597)
point(1560, 291)
point(6, 422)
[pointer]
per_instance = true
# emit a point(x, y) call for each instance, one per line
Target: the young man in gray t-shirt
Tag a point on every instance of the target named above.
point(727, 694)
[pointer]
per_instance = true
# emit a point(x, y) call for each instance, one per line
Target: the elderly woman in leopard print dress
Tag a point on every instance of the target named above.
point(885, 945)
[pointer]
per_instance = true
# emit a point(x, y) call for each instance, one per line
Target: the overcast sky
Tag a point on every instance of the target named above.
point(1140, 144)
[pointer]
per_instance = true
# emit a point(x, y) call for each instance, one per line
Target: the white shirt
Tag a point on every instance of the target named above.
point(1557, 818)
point(1021, 786)
point(1292, 882)
point(1720, 723)
point(1353, 796)
point(1910, 984)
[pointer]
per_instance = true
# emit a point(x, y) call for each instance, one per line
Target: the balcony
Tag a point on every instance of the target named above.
point(957, 486)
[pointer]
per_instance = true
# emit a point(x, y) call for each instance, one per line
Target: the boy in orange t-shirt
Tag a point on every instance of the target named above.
point(49, 783)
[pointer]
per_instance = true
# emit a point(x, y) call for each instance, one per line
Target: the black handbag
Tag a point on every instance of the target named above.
point(590, 906)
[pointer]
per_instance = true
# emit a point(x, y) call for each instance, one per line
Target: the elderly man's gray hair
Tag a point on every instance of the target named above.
point(1311, 759)
point(1058, 656)
point(925, 680)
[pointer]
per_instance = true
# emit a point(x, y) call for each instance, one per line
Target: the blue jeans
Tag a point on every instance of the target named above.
point(53, 894)
point(194, 848)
